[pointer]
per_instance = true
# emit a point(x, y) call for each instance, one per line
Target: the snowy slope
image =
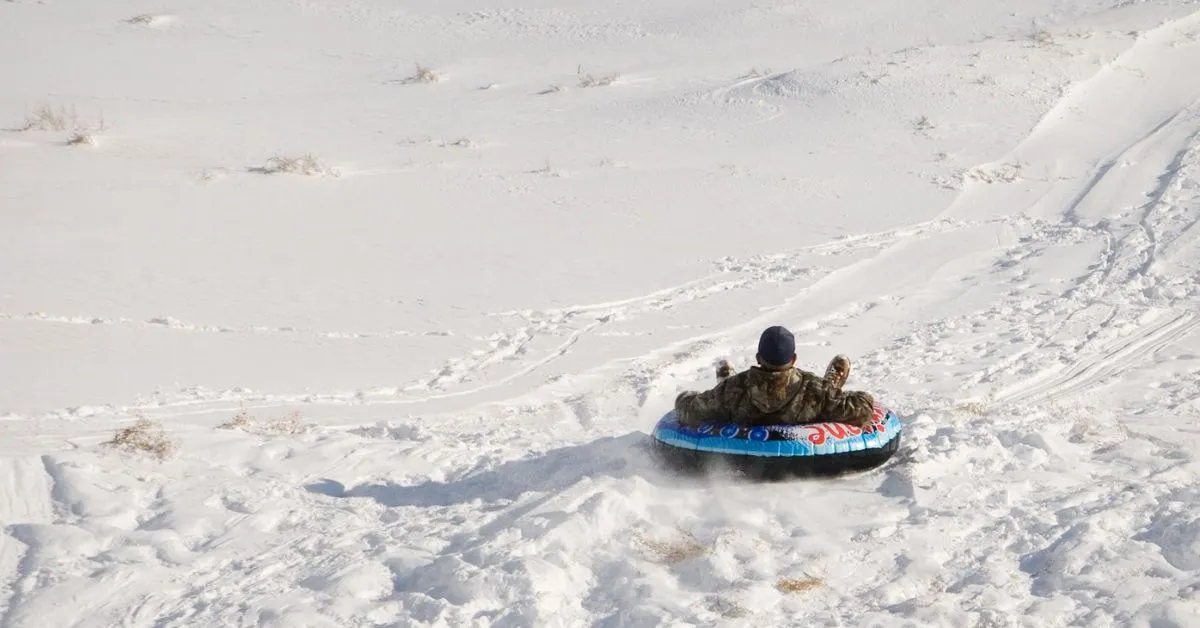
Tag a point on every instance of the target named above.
point(452, 340)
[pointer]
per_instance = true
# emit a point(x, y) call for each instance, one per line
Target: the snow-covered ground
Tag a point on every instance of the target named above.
point(448, 341)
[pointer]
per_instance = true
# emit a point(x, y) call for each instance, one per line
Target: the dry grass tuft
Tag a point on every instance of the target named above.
point(548, 169)
point(292, 424)
point(1043, 37)
point(423, 75)
point(756, 73)
point(82, 138)
point(47, 118)
point(798, 585)
point(1003, 173)
point(211, 174)
point(143, 436)
point(587, 80)
point(240, 421)
point(672, 551)
point(306, 165)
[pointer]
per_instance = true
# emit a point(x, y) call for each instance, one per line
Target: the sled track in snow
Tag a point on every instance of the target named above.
point(1105, 362)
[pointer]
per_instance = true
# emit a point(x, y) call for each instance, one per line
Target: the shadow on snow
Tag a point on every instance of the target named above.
point(616, 457)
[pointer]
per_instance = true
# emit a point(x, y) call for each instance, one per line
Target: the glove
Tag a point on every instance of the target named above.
point(724, 369)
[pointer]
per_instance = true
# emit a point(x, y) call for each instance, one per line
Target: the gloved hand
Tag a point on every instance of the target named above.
point(724, 369)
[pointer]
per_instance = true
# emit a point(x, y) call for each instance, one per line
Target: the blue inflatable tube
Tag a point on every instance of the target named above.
point(779, 451)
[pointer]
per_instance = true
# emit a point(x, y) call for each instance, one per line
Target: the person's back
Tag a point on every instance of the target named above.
point(775, 392)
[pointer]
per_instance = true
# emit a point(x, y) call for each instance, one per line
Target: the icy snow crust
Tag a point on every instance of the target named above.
point(438, 267)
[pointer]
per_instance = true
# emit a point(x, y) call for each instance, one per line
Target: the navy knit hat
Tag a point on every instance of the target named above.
point(776, 346)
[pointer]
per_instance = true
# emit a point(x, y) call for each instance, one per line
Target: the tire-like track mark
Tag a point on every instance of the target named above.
point(1104, 362)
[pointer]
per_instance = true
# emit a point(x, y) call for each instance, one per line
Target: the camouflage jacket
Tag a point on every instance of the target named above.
point(762, 397)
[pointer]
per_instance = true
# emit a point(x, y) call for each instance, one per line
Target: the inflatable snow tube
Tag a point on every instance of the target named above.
point(779, 451)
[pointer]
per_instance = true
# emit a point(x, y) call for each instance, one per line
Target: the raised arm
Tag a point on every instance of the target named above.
point(851, 407)
point(695, 408)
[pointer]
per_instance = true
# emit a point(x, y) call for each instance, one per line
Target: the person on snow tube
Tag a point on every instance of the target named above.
point(776, 392)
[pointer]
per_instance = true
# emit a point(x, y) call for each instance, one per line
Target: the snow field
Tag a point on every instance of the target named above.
point(447, 335)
